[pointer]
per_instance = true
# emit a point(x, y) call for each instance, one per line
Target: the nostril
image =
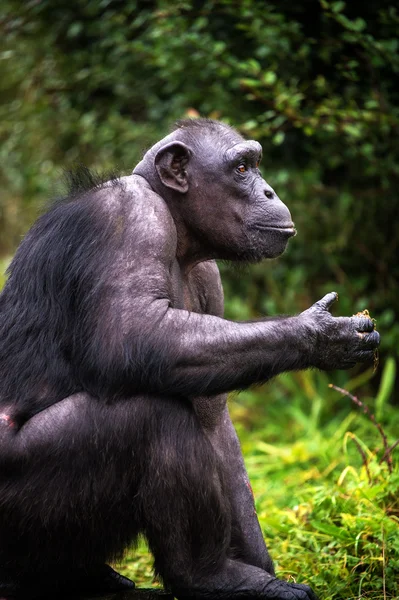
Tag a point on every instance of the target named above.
point(269, 194)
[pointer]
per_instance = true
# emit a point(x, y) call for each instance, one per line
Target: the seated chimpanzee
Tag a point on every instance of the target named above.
point(115, 360)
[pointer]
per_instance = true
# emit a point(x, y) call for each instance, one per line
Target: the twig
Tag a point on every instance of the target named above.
point(364, 458)
point(384, 591)
point(389, 450)
point(387, 456)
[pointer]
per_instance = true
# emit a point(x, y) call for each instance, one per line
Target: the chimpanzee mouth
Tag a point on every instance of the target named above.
point(286, 229)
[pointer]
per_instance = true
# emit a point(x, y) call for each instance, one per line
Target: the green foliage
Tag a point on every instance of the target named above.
point(320, 511)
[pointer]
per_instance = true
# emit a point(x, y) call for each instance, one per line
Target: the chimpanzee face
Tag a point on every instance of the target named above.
point(230, 205)
point(261, 223)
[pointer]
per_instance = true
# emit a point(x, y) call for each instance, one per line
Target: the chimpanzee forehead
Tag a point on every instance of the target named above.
point(227, 143)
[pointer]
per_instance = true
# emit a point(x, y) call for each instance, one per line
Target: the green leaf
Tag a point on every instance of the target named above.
point(278, 139)
point(269, 77)
point(386, 387)
point(337, 7)
point(332, 530)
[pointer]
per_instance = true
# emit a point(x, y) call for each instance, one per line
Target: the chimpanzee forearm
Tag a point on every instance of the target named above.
point(214, 355)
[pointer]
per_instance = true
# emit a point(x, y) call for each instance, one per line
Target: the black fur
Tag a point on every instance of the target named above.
point(53, 284)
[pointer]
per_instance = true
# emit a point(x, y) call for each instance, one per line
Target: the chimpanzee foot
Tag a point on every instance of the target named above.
point(277, 589)
point(239, 581)
point(104, 580)
point(8, 590)
point(115, 582)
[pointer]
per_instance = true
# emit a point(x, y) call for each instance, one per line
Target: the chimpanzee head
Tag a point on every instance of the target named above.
point(209, 176)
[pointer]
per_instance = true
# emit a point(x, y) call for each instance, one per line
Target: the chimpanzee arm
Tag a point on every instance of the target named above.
point(141, 343)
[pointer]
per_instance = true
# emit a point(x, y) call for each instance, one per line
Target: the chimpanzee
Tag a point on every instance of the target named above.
point(115, 360)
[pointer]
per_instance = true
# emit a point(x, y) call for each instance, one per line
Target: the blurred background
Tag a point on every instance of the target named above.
point(316, 82)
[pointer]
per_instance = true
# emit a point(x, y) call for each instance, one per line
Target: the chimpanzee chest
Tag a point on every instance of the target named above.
point(191, 292)
point(188, 290)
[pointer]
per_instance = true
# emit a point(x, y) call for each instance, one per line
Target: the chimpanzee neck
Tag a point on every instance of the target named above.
point(190, 251)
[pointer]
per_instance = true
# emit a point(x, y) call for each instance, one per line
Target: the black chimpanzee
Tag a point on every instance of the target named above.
point(115, 359)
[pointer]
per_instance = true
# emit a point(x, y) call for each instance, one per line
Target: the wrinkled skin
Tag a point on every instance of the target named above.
point(116, 359)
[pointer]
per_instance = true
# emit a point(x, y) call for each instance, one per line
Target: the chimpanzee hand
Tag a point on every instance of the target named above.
point(282, 590)
point(338, 342)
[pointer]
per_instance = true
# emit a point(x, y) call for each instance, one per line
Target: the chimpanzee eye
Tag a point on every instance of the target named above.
point(241, 168)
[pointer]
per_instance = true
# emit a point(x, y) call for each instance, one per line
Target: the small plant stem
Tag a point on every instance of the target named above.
point(364, 458)
point(389, 450)
point(384, 591)
point(387, 457)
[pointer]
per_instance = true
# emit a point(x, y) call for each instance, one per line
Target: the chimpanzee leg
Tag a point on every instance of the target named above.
point(66, 496)
point(187, 516)
point(247, 543)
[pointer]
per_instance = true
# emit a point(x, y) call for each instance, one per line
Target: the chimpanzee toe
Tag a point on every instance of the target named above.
point(106, 580)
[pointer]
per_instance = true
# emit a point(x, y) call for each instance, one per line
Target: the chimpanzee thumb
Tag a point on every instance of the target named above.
point(327, 301)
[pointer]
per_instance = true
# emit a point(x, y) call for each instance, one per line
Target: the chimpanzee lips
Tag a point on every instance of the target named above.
point(287, 229)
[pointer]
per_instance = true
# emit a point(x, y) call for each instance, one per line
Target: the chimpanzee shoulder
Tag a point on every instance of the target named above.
point(148, 219)
point(117, 211)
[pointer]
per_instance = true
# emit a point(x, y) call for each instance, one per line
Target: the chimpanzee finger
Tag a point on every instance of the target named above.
point(276, 589)
point(304, 589)
point(348, 365)
point(363, 323)
point(370, 340)
point(364, 356)
point(327, 301)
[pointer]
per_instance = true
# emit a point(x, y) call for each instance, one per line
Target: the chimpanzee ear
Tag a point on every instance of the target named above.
point(170, 163)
